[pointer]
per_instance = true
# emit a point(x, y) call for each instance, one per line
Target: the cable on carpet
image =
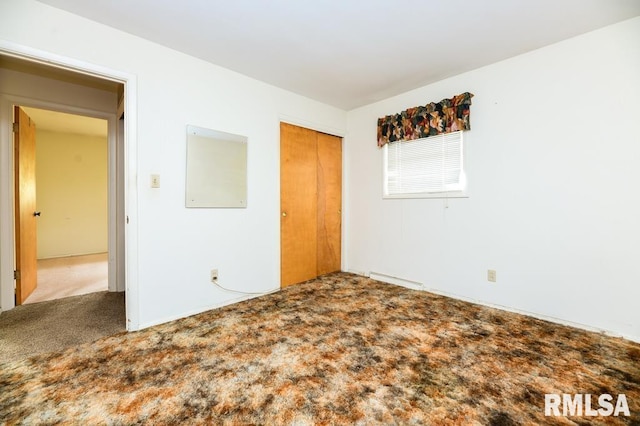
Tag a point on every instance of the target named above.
point(262, 293)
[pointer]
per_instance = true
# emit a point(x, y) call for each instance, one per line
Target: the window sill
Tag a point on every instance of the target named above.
point(436, 195)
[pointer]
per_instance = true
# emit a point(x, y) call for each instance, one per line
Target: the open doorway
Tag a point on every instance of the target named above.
point(71, 198)
point(42, 85)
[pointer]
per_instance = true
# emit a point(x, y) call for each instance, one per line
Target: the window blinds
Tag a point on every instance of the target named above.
point(424, 166)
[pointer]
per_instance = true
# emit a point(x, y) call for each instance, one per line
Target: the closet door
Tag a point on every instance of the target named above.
point(310, 201)
point(329, 203)
point(298, 204)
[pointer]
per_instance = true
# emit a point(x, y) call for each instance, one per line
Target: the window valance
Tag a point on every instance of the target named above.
point(448, 115)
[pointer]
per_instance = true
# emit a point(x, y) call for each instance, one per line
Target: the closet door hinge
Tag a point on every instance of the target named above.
point(16, 127)
point(16, 275)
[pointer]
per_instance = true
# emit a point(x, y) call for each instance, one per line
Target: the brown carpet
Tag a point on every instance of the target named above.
point(58, 324)
point(338, 350)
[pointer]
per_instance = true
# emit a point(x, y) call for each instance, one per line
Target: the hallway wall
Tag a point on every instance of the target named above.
point(71, 193)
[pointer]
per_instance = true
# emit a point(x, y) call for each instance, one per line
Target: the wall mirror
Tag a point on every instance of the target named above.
point(216, 169)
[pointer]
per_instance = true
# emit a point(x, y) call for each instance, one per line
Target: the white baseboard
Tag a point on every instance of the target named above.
point(198, 311)
point(414, 285)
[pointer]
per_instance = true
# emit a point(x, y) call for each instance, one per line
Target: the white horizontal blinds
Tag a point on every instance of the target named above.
point(452, 170)
point(427, 165)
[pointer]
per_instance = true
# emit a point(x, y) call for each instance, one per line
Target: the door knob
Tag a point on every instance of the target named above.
point(284, 214)
point(36, 213)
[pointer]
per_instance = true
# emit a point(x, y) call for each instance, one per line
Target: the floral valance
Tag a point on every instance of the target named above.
point(448, 115)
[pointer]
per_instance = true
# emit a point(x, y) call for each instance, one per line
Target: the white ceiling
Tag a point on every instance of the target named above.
point(349, 53)
point(60, 122)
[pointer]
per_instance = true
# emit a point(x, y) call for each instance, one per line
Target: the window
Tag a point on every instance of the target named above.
point(431, 167)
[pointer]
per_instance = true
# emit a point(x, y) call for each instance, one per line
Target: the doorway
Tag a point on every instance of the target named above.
point(71, 193)
point(37, 79)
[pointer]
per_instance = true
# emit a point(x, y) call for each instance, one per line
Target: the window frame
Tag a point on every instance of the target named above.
point(460, 190)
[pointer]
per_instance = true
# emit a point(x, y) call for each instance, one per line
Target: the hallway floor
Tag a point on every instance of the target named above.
point(70, 276)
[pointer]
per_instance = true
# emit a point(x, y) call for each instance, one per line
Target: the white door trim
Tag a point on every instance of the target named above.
point(7, 248)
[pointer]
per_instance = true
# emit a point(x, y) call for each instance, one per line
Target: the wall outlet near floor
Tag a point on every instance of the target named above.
point(491, 275)
point(214, 275)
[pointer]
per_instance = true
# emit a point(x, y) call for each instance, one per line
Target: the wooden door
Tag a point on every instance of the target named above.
point(298, 204)
point(25, 205)
point(311, 202)
point(329, 203)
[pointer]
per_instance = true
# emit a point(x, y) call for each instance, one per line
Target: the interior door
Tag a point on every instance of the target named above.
point(298, 202)
point(329, 203)
point(25, 205)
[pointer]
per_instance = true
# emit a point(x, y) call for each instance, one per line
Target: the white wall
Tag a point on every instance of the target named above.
point(26, 85)
point(71, 193)
point(553, 167)
point(177, 246)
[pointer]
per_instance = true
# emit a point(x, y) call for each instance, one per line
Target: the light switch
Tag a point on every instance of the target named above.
point(155, 181)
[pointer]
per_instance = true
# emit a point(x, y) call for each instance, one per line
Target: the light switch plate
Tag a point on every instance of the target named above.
point(155, 181)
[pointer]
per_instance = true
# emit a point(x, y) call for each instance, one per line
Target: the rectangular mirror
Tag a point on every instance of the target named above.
point(216, 169)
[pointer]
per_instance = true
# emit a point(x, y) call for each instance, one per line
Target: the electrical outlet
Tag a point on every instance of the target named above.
point(214, 275)
point(491, 275)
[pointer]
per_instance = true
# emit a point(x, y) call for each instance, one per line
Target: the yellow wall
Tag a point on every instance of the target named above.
point(71, 191)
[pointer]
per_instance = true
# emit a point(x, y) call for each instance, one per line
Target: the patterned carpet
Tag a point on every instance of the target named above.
point(342, 349)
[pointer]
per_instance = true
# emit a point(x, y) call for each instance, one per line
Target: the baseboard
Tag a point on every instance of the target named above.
point(72, 255)
point(414, 285)
point(198, 311)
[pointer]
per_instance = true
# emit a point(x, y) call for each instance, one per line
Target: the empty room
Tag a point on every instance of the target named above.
point(334, 212)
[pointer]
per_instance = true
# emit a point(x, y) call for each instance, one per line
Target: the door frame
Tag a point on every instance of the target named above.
point(129, 171)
